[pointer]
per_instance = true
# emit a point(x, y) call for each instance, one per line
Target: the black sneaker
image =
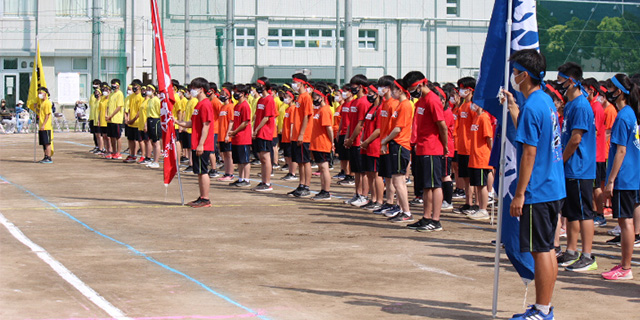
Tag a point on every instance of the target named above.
point(583, 264)
point(462, 208)
point(421, 223)
point(295, 193)
point(263, 187)
point(431, 226)
point(565, 259)
point(383, 208)
point(213, 173)
point(614, 241)
point(372, 206)
point(243, 183)
point(347, 181)
point(322, 196)
point(340, 175)
point(233, 184)
point(290, 177)
point(458, 194)
point(305, 193)
point(402, 217)
point(188, 169)
point(417, 201)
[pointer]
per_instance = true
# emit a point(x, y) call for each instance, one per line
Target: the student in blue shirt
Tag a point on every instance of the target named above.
point(541, 185)
point(579, 145)
point(623, 176)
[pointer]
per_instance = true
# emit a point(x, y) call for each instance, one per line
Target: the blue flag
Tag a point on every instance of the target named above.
point(524, 35)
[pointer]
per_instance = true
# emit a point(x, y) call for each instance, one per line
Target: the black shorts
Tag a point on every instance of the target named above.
point(142, 135)
point(185, 139)
point(343, 154)
point(44, 137)
point(286, 149)
point(538, 226)
point(240, 154)
point(201, 163)
point(300, 154)
point(369, 163)
point(455, 156)
point(127, 132)
point(446, 166)
point(101, 130)
point(578, 204)
point(133, 133)
point(225, 147)
point(624, 202)
point(601, 175)
point(355, 159)
point(399, 158)
point(114, 130)
point(261, 145)
point(92, 127)
point(321, 157)
point(153, 129)
point(463, 166)
point(478, 177)
point(384, 166)
point(275, 142)
point(430, 170)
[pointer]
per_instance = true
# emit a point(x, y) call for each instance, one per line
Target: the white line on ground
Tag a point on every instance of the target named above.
point(67, 275)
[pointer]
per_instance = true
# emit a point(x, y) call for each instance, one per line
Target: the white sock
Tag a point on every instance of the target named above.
point(543, 308)
point(408, 213)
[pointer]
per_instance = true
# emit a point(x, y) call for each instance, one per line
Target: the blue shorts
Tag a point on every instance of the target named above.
point(240, 154)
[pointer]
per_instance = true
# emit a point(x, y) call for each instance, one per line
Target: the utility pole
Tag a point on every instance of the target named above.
point(348, 40)
point(230, 42)
point(187, 75)
point(338, 42)
point(95, 39)
point(133, 40)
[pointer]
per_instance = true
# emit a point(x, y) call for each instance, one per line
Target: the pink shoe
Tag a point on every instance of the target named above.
point(617, 273)
point(316, 173)
point(116, 156)
point(226, 178)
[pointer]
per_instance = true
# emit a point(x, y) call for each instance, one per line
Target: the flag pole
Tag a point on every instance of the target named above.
point(503, 144)
point(35, 119)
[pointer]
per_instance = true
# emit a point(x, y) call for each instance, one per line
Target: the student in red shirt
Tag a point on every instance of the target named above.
point(431, 145)
point(388, 108)
point(447, 182)
point(213, 94)
point(343, 153)
point(370, 150)
point(240, 135)
point(225, 121)
point(357, 113)
point(479, 169)
point(285, 142)
point(322, 139)
point(593, 89)
point(202, 139)
point(301, 135)
point(263, 132)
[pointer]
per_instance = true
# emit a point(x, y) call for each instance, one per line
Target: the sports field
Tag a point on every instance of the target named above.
point(88, 238)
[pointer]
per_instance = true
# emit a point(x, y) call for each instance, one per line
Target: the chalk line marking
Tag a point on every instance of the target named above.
point(139, 253)
point(63, 272)
point(435, 270)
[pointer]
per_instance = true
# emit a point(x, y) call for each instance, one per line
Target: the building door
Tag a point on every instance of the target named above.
point(10, 89)
point(25, 82)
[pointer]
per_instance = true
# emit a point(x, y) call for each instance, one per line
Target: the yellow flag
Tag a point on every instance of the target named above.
point(37, 80)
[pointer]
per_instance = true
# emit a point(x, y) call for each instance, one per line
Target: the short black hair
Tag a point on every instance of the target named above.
point(359, 79)
point(635, 79)
point(323, 88)
point(467, 82)
point(386, 81)
point(411, 78)
point(592, 83)
point(300, 76)
point(175, 83)
point(571, 69)
point(532, 60)
point(213, 86)
point(242, 88)
point(114, 81)
point(96, 82)
point(199, 83)
point(136, 82)
point(45, 90)
point(265, 82)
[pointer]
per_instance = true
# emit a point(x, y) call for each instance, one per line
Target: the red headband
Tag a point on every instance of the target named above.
point(316, 91)
point(301, 81)
point(402, 88)
point(291, 95)
point(415, 84)
point(444, 96)
point(463, 87)
point(261, 82)
point(558, 95)
point(603, 89)
point(227, 91)
point(374, 89)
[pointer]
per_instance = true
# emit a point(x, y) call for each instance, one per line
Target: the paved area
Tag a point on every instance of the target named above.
point(126, 240)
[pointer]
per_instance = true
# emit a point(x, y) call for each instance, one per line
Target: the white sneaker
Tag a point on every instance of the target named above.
point(354, 198)
point(614, 232)
point(446, 206)
point(153, 165)
point(479, 215)
point(362, 200)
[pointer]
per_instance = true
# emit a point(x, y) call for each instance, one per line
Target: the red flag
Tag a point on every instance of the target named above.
point(166, 95)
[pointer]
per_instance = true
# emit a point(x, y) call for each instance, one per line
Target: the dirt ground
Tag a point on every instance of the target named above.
point(122, 233)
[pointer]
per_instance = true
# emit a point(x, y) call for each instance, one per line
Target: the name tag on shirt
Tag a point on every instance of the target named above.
point(236, 113)
point(261, 106)
point(420, 111)
point(463, 115)
point(369, 116)
point(223, 113)
point(354, 109)
point(384, 113)
point(474, 127)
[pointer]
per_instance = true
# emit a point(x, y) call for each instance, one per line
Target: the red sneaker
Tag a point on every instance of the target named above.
point(141, 160)
point(116, 156)
point(108, 156)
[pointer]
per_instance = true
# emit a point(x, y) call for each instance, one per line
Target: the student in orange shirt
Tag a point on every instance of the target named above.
point(301, 135)
point(389, 106)
point(593, 90)
point(322, 139)
point(225, 121)
point(285, 143)
point(479, 168)
point(465, 120)
point(398, 145)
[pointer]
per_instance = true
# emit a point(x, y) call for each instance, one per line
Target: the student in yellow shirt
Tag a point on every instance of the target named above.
point(115, 117)
point(177, 111)
point(154, 128)
point(141, 123)
point(93, 107)
point(135, 101)
point(45, 130)
point(125, 113)
point(103, 142)
point(189, 104)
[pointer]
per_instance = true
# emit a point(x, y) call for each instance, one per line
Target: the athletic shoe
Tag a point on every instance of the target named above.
point(583, 264)
point(347, 181)
point(614, 232)
point(408, 181)
point(361, 201)
point(255, 162)
point(322, 196)
point(636, 242)
point(46, 160)
point(446, 206)
point(608, 212)
point(458, 194)
point(116, 156)
point(557, 249)
point(617, 273)
point(354, 198)
point(129, 159)
point(212, 173)
point(614, 241)
point(108, 156)
point(194, 201)
point(417, 201)
point(384, 208)
point(305, 193)
point(599, 221)
point(565, 259)
point(243, 184)
point(534, 314)
point(394, 211)
point(226, 177)
point(472, 209)
point(372, 206)
point(275, 167)
point(314, 165)
point(462, 208)
point(419, 224)
point(153, 165)
point(184, 159)
point(431, 226)
point(201, 203)
point(563, 233)
point(262, 187)
point(340, 175)
point(402, 217)
point(141, 160)
point(295, 193)
point(188, 169)
point(290, 177)
point(285, 167)
point(315, 174)
point(479, 215)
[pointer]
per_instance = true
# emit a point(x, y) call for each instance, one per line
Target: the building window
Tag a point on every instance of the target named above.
point(113, 8)
point(301, 38)
point(80, 64)
point(19, 8)
point(367, 39)
point(71, 8)
point(245, 37)
point(453, 8)
point(453, 56)
point(11, 64)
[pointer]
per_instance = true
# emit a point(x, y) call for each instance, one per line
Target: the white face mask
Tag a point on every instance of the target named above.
point(338, 98)
point(41, 96)
point(149, 93)
point(295, 86)
point(193, 92)
point(129, 92)
point(600, 99)
point(382, 91)
point(105, 93)
point(464, 93)
point(344, 95)
point(287, 100)
point(514, 84)
point(309, 90)
point(452, 100)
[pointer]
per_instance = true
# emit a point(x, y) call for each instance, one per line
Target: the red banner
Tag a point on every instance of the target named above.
point(166, 95)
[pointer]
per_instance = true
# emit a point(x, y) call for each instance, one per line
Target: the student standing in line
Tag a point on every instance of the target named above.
point(592, 87)
point(225, 121)
point(240, 135)
point(153, 128)
point(389, 106)
point(302, 126)
point(285, 142)
point(370, 149)
point(322, 139)
point(263, 132)
point(465, 120)
point(114, 117)
point(357, 113)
